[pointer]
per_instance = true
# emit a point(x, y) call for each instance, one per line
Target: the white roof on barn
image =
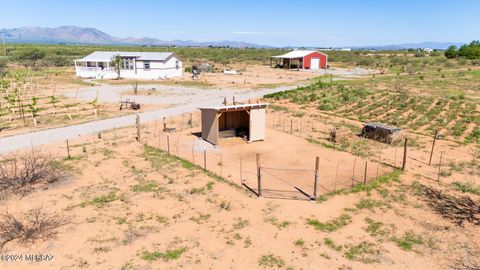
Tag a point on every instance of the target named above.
point(106, 56)
point(295, 54)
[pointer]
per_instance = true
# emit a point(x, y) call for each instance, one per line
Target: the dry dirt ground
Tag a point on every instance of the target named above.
point(256, 76)
point(75, 97)
point(131, 206)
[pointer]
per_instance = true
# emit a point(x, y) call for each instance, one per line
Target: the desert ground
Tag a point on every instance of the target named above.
point(100, 198)
point(129, 205)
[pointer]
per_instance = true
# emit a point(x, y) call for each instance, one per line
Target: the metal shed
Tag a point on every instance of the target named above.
point(380, 132)
point(240, 120)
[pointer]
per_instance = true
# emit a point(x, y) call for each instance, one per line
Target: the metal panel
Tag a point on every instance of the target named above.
point(257, 124)
point(210, 126)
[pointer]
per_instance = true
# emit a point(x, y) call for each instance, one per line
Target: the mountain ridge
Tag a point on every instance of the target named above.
point(91, 36)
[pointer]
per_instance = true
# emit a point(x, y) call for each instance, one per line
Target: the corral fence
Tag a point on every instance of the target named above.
point(257, 172)
point(431, 163)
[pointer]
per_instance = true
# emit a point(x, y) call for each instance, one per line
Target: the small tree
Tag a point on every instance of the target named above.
point(117, 64)
point(451, 52)
point(34, 109)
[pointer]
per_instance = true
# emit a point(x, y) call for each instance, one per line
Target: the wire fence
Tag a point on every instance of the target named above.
point(432, 164)
point(272, 177)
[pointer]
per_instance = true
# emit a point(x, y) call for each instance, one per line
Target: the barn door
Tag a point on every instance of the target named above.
point(315, 63)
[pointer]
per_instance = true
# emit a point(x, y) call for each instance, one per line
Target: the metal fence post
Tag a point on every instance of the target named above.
point(204, 158)
point(259, 176)
point(317, 165)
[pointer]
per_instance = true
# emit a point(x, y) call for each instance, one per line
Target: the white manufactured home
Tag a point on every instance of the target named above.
point(135, 65)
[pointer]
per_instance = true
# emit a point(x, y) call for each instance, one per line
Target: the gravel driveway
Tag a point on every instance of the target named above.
point(183, 99)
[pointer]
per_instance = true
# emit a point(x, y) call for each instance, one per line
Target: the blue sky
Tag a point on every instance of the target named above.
point(269, 22)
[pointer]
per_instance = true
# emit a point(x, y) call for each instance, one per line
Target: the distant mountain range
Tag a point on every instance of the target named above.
point(84, 35)
point(431, 45)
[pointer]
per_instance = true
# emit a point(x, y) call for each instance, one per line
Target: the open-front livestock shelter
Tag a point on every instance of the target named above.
point(241, 120)
point(300, 59)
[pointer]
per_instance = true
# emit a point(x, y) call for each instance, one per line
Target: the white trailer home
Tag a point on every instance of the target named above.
point(135, 65)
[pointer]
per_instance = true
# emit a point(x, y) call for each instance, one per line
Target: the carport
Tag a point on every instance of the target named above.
point(241, 120)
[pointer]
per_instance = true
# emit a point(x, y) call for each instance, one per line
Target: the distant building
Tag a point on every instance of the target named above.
point(346, 49)
point(135, 65)
point(428, 50)
point(300, 59)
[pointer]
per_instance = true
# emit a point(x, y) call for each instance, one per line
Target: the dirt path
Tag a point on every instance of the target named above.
point(183, 99)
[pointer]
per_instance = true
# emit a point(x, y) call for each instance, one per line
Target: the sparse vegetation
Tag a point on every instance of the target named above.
point(102, 200)
point(271, 261)
point(331, 225)
point(170, 254)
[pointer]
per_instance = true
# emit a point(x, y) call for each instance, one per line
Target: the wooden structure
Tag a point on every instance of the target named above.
point(239, 120)
point(129, 105)
point(381, 132)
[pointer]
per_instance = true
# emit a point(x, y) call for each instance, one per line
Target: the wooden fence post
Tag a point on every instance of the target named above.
point(259, 176)
point(433, 146)
point(193, 151)
point(404, 164)
point(68, 150)
point(365, 175)
point(168, 144)
point(204, 158)
point(241, 174)
point(440, 166)
point(137, 122)
point(291, 126)
point(317, 167)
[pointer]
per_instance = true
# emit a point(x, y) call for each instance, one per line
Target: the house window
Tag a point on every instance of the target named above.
point(177, 64)
point(146, 65)
point(127, 63)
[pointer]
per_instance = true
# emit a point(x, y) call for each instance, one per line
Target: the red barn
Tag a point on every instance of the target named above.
point(300, 59)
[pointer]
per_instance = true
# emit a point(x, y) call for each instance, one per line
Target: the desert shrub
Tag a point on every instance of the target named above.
point(32, 168)
point(29, 227)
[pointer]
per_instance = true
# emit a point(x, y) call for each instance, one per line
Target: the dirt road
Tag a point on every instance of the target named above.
point(183, 99)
